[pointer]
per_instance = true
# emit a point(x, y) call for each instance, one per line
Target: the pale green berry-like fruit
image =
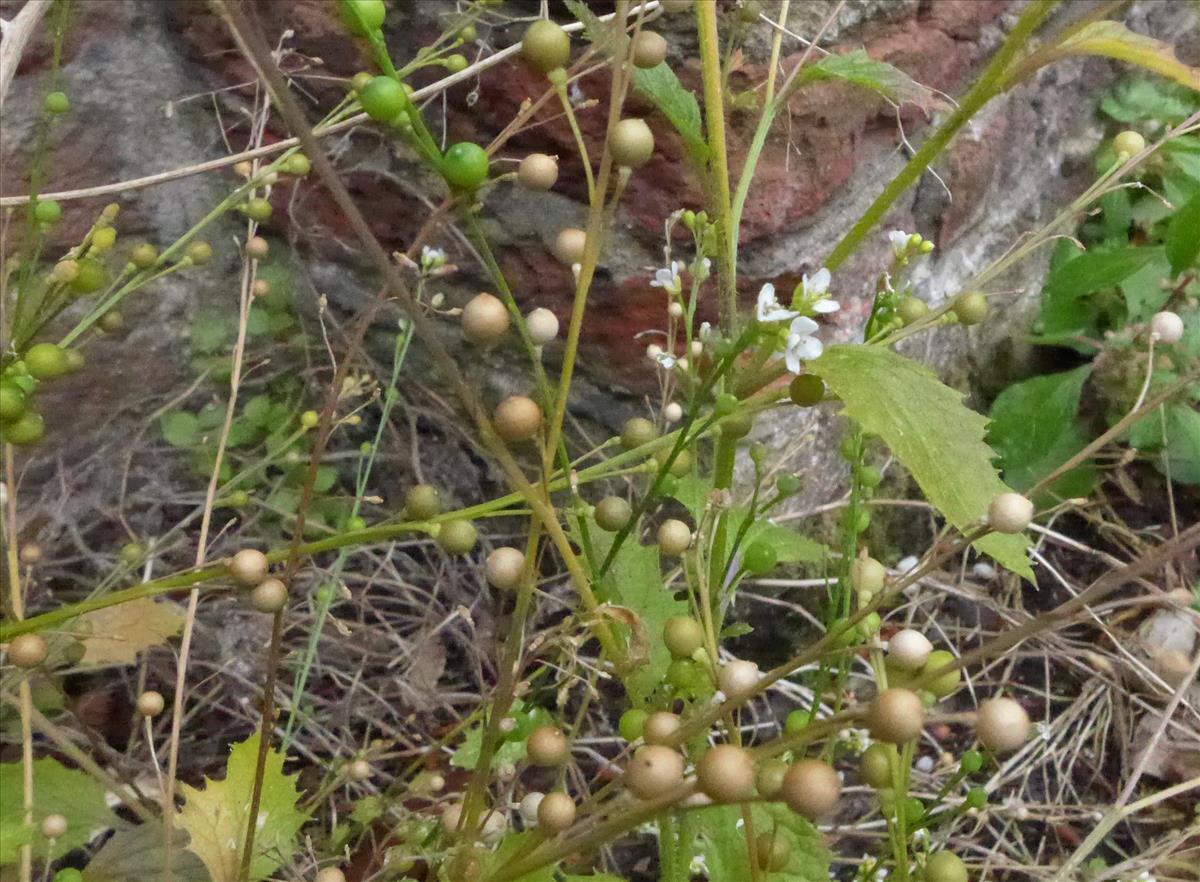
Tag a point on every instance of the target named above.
point(674, 537)
point(1010, 513)
point(896, 716)
point(1129, 142)
point(457, 537)
point(546, 46)
point(613, 513)
point(632, 143)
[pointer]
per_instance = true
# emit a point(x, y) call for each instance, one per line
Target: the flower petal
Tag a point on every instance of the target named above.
point(809, 348)
point(802, 327)
point(826, 306)
point(819, 283)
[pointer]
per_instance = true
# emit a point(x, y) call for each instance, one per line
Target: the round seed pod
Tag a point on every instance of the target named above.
point(360, 770)
point(648, 49)
point(946, 683)
point(457, 537)
point(632, 143)
point(896, 716)
point(542, 325)
point(556, 812)
point(257, 247)
point(769, 780)
point(1002, 724)
point(806, 390)
point(909, 649)
point(422, 502)
point(683, 635)
point(1129, 142)
point(504, 567)
point(875, 767)
point(674, 537)
point(660, 727)
point(636, 432)
point(811, 788)
point(269, 596)
point(484, 319)
point(632, 722)
point(971, 308)
point(331, 874)
point(774, 850)
point(1010, 513)
point(452, 817)
point(495, 825)
point(548, 746)
point(945, 866)
point(912, 310)
point(569, 245)
point(518, 418)
point(1167, 327)
point(27, 650)
point(528, 807)
point(739, 678)
point(150, 703)
point(538, 171)
point(54, 826)
point(249, 567)
point(726, 773)
point(612, 513)
point(653, 771)
point(546, 45)
point(867, 575)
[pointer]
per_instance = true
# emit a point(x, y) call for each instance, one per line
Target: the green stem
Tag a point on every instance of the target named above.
point(990, 84)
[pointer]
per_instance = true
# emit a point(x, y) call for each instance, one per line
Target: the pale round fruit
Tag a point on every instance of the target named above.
point(739, 678)
point(1002, 724)
point(896, 716)
point(648, 49)
point(1167, 327)
point(360, 770)
point(548, 746)
point(569, 245)
point(811, 788)
point(1129, 142)
point(769, 780)
point(556, 812)
point(542, 325)
point(946, 683)
point(528, 807)
point(30, 554)
point(674, 537)
point(538, 171)
point(660, 727)
point(258, 247)
point(613, 513)
point(1010, 513)
point(484, 319)
point(54, 826)
point(27, 650)
point(504, 568)
point(653, 771)
point(774, 850)
point(270, 596)
point(683, 635)
point(495, 825)
point(971, 308)
point(249, 567)
point(457, 537)
point(909, 649)
point(150, 703)
point(636, 432)
point(726, 773)
point(875, 766)
point(331, 874)
point(867, 575)
point(422, 502)
point(632, 143)
point(518, 418)
point(945, 866)
point(546, 45)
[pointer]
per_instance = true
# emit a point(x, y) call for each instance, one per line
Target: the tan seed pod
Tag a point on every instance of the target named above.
point(774, 850)
point(726, 773)
point(909, 649)
point(556, 812)
point(484, 319)
point(632, 143)
point(27, 650)
point(504, 568)
point(739, 678)
point(660, 727)
point(542, 325)
point(811, 788)
point(150, 703)
point(249, 567)
point(653, 771)
point(331, 874)
point(1010, 513)
point(269, 597)
point(896, 716)
point(548, 746)
point(518, 418)
point(648, 49)
point(674, 537)
point(538, 171)
point(1002, 724)
point(54, 826)
point(569, 245)
point(360, 770)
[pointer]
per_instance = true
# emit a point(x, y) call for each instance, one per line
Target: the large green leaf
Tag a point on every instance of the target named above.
point(861, 69)
point(1035, 428)
point(677, 104)
point(791, 546)
point(215, 817)
point(1179, 425)
point(937, 437)
point(57, 790)
point(1113, 40)
point(722, 840)
point(1183, 236)
point(1065, 311)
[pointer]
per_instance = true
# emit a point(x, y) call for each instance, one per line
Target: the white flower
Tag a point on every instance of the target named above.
point(801, 344)
point(705, 330)
point(815, 290)
point(769, 309)
point(666, 360)
point(899, 240)
point(668, 278)
point(432, 258)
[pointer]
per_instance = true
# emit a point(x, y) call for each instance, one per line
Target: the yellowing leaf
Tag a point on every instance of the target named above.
point(216, 816)
point(116, 635)
point(1113, 40)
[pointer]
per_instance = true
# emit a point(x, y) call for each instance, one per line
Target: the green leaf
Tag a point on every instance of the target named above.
point(216, 816)
point(210, 331)
point(1035, 429)
point(1065, 313)
point(1143, 290)
point(634, 582)
point(1113, 40)
point(1183, 236)
point(57, 790)
point(180, 428)
point(861, 69)
point(1180, 455)
point(722, 840)
point(1139, 98)
point(258, 409)
point(937, 437)
point(791, 546)
point(510, 847)
point(467, 754)
point(596, 31)
point(137, 853)
point(662, 87)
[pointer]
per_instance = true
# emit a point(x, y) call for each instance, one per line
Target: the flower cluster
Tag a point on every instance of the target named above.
point(808, 299)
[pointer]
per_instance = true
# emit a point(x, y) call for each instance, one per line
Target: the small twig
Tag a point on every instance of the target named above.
point(16, 32)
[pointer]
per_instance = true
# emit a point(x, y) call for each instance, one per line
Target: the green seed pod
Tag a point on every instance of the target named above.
point(422, 502)
point(457, 537)
point(46, 361)
point(971, 308)
point(546, 46)
point(875, 767)
point(612, 513)
point(637, 431)
point(806, 390)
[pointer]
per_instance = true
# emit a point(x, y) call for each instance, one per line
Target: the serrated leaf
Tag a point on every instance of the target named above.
point(116, 634)
point(215, 817)
point(1113, 40)
point(931, 431)
point(860, 69)
point(137, 853)
point(1143, 289)
point(679, 105)
point(1183, 236)
point(1035, 428)
point(180, 428)
point(1139, 97)
point(722, 840)
point(57, 790)
point(596, 31)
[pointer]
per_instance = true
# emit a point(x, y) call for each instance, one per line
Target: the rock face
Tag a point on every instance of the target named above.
point(157, 85)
